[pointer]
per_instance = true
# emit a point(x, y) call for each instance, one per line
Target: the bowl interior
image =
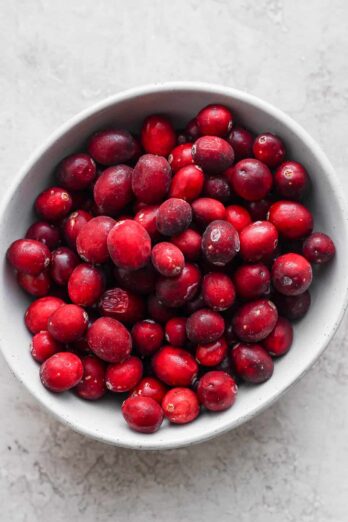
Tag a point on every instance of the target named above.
point(103, 420)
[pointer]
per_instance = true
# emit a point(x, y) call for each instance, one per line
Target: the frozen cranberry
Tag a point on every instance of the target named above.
point(214, 120)
point(28, 256)
point(217, 391)
point(142, 414)
point(73, 224)
point(318, 248)
point(53, 204)
point(180, 157)
point(175, 291)
point(86, 285)
point(291, 219)
point(252, 363)
point(250, 179)
point(255, 320)
point(206, 210)
point(238, 217)
point(280, 339)
point(47, 233)
point(252, 281)
point(37, 314)
point(158, 311)
point(217, 187)
point(147, 337)
point(113, 189)
point(180, 405)
point(122, 377)
point(269, 149)
point(158, 135)
point(258, 240)
point(175, 331)
point(92, 385)
point(44, 346)
point(167, 259)
point(147, 218)
point(76, 172)
point(218, 291)
point(211, 354)
point(192, 130)
point(258, 210)
point(129, 245)
point(174, 216)
point(212, 154)
point(109, 340)
point(68, 323)
point(111, 146)
point(189, 242)
point(151, 179)
point(205, 326)
point(150, 387)
point(187, 183)
point(140, 281)
point(220, 242)
point(242, 142)
point(61, 372)
point(293, 307)
point(122, 305)
point(291, 180)
point(91, 241)
point(37, 285)
point(291, 274)
point(63, 262)
point(174, 366)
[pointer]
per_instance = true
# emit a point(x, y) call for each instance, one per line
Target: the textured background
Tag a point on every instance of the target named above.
point(288, 464)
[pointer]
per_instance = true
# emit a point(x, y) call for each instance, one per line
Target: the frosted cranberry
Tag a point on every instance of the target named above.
point(151, 179)
point(147, 218)
point(129, 245)
point(113, 190)
point(122, 305)
point(252, 281)
point(158, 311)
point(109, 340)
point(291, 219)
point(91, 241)
point(175, 291)
point(213, 353)
point(187, 183)
point(291, 274)
point(142, 414)
point(46, 233)
point(53, 204)
point(189, 242)
point(269, 149)
point(291, 180)
point(259, 209)
point(217, 187)
point(180, 405)
point(173, 216)
point(318, 248)
point(147, 337)
point(174, 366)
point(180, 157)
point(255, 320)
point(238, 217)
point(212, 154)
point(150, 387)
point(242, 142)
point(61, 372)
point(63, 262)
point(92, 385)
point(175, 331)
point(218, 291)
point(258, 240)
point(76, 172)
point(158, 135)
point(192, 130)
point(37, 314)
point(122, 377)
point(293, 307)
point(280, 339)
point(44, 346)
point(140, 281)
point(68, 323)
point(214, 120)
point(206, 210)
point(73, 224)
point(167, 259)
point(220, 242)
point(28, 256)
point(38, 285)
point(252, 363)
point(217, 391)
point(250, 179)
point(111, 146)
point(205, 326)
point(86, 285)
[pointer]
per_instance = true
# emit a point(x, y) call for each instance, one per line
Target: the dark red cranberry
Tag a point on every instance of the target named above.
point(258, 210)
point(86, 285)
point(29, 256)
point(187, 183)
point(151, 179)
point(61, 372)
point(206, 210)
point(73, 224)
point(217, 187)
point(220, 242)
point(180, 157)
point(211, 354)
point(175, 291)
point(37, 314)
point(111, 146)
point(238, 216)
point(113, 190)
point(205, 326)
point(214, 120)
point(291, 180)
point(147, 337)
point(174, 366)
point(68, 323)
point(142, 414)
point(218, 291)
point(252, 281)
point(109, 340)
point(195, 304)
point(280, 339)
point(63, 262)
point(252, 363)
point(180, 405)
point(212, 154)
point(76, 172)
point(46, 233)
point(173, 216)
point(91, 241)
point(291, 219)
point(158, 135)
point(192, 130)
point(167, 259)
point(129, 245)
point(217, 391)
point(140, 281)
point(123, 376)
point(53, 204)
point(122, 305)
point(175, 331)
point(250, 179)
point(255, 320)
point(147, 218)
point(82, 200)
point(269, 149)
point(44, 346)
point(150, 387)
point(38, 285)
point(158, 311)
point(92, 385)
point(291, 274)
point(318, 248)
point(189, 242)
point(258, 240)
point(242, 142)
point(293, 307)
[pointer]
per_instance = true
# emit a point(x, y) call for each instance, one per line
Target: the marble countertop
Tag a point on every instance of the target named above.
point(290, 463)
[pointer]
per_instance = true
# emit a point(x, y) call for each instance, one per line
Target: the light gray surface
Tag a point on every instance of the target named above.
point(57, 58)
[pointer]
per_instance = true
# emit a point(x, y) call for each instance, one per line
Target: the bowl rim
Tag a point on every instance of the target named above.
point(198, 87)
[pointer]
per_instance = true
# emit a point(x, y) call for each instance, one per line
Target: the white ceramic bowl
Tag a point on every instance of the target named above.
point(181, 101)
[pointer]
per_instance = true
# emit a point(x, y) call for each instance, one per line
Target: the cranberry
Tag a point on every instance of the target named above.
point(269, 149)
point(212, 154)
point(258, 240)
point(189, 242)
point(142, 414)
point(255, 320)
point(250, 179)
point(175, 291)
point(109, 340)
point(206, 210)
point(291, 219)
point(192, 130)
point(63, 262)
point(129, 245)
point(220, 242)
point(53, 204)
point(258, 210)
point(44, 346)
point(150, 387)
point(147, 337)
point(91, 241)
point(68, 323)
point(291, 274)
point(37, 314)
point(122, 305)
point(158, 135)
point(214, 120)
point(73, 224)
point(140, 281)
point(217, 391)
point(218, 291)
point(187, 183)
point(113, 189)
point(76, 172)
point(217, 187)
point(213, 353)
point(318, 248)
point(122, 377)
point(180, 405)
point(252, 281)
point(180, 157)
point(174, 216)
point(158, 311)
point(280, 339)
point(168, 259)
point(252, 363)
point(242, 142)
point(61, 372)
point(151, 179)
point(29, 256)
point(205, 326)
point(174, 366)
point(195, 304)
point(37, 285)
point(111, 146)
point(92, 385)
point(147, 218)
point(175, 331)
point(86, 285)
point(293, 307)
point(238, 217)
point(291, 180)
point(47, 233)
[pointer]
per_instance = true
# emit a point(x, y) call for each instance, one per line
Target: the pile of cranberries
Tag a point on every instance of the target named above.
point(168, 267)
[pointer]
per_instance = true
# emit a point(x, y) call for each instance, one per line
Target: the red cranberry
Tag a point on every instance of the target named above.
point(213, 353)
point(150, 387)
point(258, 210)
point(129, 245)
point(180, 157)
point(37, 314)
point(45, 232)
point(192, 130)
point(76, 172)
point(242, 142)
point(29, 256)
point(205, 326)
point(68, 323)
point(174, 216)
point(217, 187)
point(291, 274)
point(91, 241)
point(318, 248)
point(44, 346)
point(63, 262)
point(293, 307)
point(220, 242)
point(252, 281)
point(218, 291)
point(147, 218)
point(92, 385)
point(238, 217)
point(250, 179)
point(38, 285)
point(158, 311)
point(122, 377)
point(180, 405)
point(86, 285)
point(142, 414)
point(255, 320)
point(252, 363)
point(111, 147)
point(280, 339)
point(140, 281)
point(269, 149)
point(212, 154)
point(61, 372)
point(53, 204)
point(187, 183)
point(167, 259)
point(291, 219)
point(291, 180)
point(175, 331)
point(217, 391)
point(214, 120)
point(206, 210)
point(73, 224)
point(189, 242)
point(147, 337)
point(158, 135)
point(151, 179)
point(113, 189)
point(175, 291)
point(174, 366)
point(122, 305)
point(109, 340)
point(258, 240)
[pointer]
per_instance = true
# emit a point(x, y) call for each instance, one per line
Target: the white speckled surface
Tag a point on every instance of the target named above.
point(290, 463)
